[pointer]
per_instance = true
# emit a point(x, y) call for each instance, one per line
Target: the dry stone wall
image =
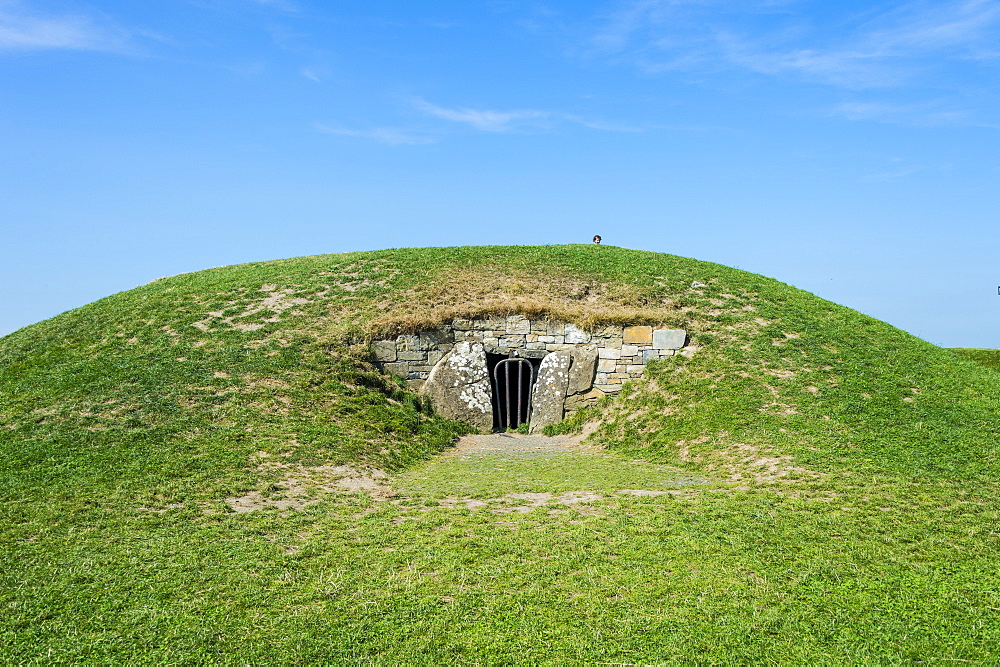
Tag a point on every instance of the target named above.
point(621, 353)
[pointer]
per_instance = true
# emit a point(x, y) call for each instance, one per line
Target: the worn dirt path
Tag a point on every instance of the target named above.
point(517, 445)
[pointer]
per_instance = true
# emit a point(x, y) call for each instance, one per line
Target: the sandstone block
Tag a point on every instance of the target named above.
point(638, 335)
point(518, 324)
point(547, 339)
point(489, 324)
point(407, 343)
point(609, 353)
point(461, 325)
point(429, 340)
point(650, 355)
point(575, 334)
point(630, 350)
point(637, 368)
point(512, 341)
point(411, 356)
point(610, 331)
point(554, 328)
point(385, 350)
point(606, 366)
point(669, 339)
point(400, 369)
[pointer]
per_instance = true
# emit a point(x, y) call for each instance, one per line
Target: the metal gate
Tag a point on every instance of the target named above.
point(513, 383)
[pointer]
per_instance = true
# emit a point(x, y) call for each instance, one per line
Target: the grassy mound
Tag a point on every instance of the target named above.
point(846, 511)
point(987, 358)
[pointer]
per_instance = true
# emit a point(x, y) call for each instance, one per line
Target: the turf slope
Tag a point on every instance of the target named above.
point(848, 513)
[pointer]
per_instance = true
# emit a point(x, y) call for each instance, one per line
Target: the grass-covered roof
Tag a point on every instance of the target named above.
point(824, 437)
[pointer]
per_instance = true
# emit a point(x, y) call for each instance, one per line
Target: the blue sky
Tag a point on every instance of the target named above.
point(850, 148)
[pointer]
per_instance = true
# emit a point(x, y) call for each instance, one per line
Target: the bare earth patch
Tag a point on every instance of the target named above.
point(301, 486)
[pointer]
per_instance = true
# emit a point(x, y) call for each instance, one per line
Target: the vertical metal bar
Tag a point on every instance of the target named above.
point(506, 382)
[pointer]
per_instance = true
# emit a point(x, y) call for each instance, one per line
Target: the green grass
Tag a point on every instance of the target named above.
point(988, 358)
point(846, 510)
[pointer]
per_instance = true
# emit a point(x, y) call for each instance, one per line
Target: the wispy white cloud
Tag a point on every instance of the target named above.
point(385, 135)
point(487, 120)
point(903, 114)
point(24, 30)
point(894, 47)
point(311, 74)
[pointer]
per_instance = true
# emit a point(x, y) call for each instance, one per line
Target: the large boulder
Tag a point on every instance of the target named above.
point(549, 398)
point(459, 386)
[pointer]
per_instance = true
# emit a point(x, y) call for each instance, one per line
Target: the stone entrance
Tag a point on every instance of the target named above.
point(452, 364)
point(513, 383)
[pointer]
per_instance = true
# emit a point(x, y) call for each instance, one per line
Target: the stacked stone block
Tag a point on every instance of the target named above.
point(622, 352)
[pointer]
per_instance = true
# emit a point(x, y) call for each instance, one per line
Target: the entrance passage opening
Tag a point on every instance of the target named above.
point(512, 380)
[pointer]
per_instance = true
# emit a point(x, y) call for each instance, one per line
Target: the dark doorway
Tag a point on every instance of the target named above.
point(512, 380)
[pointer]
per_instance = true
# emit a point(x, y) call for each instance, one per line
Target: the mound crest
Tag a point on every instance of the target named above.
point(278, 357)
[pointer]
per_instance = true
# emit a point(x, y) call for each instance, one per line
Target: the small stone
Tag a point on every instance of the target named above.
point(554, 328)
point(518, 324)
point(399, 370)
point(669, 339)
point(412, 356)
point(512, 341)
point(461, 325)
point(575, 334)
point(638, 368)
point(407, 343)
point(629, 350)
point(638, 335)
point(606, 366)
point(488, 325)
point(385, 350)
point(547, 339)
point(609, 353)
point(650, 355)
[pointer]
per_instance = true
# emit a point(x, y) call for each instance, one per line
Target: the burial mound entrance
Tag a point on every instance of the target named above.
point(572, 367)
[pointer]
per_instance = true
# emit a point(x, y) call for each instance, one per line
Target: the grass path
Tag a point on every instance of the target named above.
point(481, 466)
point(512, 550)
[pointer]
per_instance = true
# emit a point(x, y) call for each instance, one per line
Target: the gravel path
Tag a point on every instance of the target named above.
point(519, 446)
